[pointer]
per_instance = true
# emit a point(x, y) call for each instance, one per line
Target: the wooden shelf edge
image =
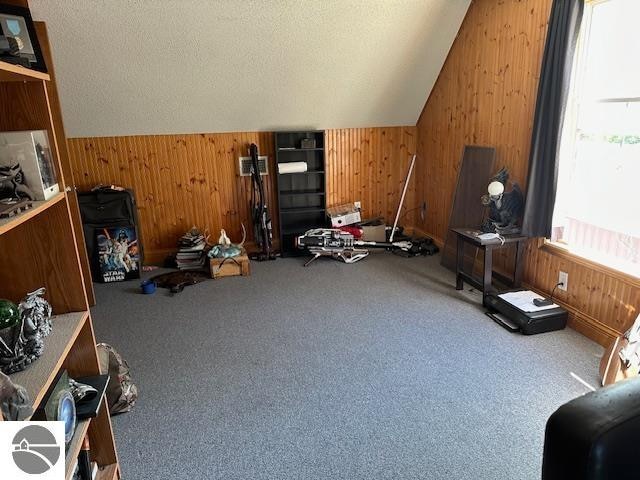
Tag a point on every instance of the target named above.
point(74, 446)
point(108, 472)
point(17, 73)
point(7, 224)
point(38, 377)
point(589, 326)
point(302, 210)
point(316, 149)
point(293, 193)
point(308, 172)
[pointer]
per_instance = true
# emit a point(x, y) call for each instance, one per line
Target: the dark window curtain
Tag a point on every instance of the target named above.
point(555, 76)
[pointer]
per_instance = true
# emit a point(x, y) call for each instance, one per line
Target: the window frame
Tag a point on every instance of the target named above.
point(560, 248)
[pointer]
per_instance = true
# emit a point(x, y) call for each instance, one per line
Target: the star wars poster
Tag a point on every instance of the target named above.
point(118, 254)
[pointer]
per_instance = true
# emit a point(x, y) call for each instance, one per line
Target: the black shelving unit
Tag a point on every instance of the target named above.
point(301, 196)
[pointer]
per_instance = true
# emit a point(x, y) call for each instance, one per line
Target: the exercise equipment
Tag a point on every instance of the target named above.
point(341, 245)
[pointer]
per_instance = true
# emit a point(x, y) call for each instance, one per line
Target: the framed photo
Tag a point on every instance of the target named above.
point(16, 22)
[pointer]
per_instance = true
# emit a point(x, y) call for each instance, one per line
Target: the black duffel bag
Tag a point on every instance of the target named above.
point(107, 207)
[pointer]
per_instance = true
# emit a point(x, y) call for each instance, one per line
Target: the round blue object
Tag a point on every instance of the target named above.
point(148, 287)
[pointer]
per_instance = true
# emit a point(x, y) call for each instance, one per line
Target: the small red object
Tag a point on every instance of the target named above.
point(355, 231)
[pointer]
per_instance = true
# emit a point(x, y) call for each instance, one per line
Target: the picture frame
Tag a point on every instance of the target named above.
point(17, 22)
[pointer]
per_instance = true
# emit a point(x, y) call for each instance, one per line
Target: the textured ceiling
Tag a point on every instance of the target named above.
point(128, 67)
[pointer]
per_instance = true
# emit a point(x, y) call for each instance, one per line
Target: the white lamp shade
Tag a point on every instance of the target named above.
point(495, 189)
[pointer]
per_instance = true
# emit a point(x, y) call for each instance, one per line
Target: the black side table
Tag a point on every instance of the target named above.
point(469, 235)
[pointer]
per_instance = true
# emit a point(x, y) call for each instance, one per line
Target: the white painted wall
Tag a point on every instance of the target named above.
point(129, 67)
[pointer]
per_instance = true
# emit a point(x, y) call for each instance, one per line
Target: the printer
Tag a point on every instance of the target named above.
point(516, 311)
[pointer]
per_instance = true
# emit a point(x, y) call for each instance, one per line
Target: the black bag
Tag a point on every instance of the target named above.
point(106, 208)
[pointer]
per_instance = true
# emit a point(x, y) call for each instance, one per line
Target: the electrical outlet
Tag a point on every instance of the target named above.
point(358, 205)
point(563, 278)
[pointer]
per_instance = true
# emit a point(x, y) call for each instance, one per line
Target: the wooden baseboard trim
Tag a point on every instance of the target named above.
point(157, 257)
point(583, 323)
point(421, 233)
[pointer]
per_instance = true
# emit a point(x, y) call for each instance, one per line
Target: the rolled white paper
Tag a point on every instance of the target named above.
point(292, 167)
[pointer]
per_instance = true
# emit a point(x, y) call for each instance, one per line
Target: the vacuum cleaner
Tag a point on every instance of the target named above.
point(259, 213)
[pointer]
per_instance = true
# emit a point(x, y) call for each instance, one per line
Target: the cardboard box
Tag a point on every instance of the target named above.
point(375, 233)
point(230, 267)
point(342, 215)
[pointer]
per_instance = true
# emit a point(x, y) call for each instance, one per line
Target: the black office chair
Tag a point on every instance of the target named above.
point(596, 436)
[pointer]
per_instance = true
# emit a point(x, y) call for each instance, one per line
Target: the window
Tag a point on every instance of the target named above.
point(597, 214)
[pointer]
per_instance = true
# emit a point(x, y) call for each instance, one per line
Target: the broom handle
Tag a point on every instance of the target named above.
point(404, 192)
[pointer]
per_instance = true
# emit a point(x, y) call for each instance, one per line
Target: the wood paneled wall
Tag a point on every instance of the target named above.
point(370, 165)
point(486, 95)
point(186, 180)
point(180, 181)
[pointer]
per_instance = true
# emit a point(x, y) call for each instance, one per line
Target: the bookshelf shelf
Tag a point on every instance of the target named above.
point(6, 224)
point(73, 449)
point(17, 73)
point(38, 376)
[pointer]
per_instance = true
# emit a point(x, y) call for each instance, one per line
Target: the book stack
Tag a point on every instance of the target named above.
point(192, 250)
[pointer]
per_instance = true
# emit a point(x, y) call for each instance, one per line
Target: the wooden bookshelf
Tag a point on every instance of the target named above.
point(301, 195)
point(38, 376)
point(44, 247)
point(109, 472)
point(17, 73)
point(38, 207)
point(73, 448)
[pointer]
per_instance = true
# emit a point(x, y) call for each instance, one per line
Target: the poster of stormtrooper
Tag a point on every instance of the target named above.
point(118, 254)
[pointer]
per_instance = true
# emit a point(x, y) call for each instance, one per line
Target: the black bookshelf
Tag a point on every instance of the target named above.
point(301, 196)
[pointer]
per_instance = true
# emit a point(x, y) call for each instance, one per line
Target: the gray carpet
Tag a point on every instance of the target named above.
point(378, 370)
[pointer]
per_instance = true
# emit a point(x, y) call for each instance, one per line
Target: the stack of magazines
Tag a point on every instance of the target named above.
point(192, 250)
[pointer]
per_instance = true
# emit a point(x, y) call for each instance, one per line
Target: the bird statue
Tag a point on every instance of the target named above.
point(223, 240)
point(225, 248)
point(505, 208)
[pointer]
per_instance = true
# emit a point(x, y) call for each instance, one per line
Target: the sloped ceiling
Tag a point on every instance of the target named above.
point(130, 67)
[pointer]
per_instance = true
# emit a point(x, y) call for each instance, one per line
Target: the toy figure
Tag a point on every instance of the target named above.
point(505, 209)
point(23, 342)
point(12, 183)
point(36, 318)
